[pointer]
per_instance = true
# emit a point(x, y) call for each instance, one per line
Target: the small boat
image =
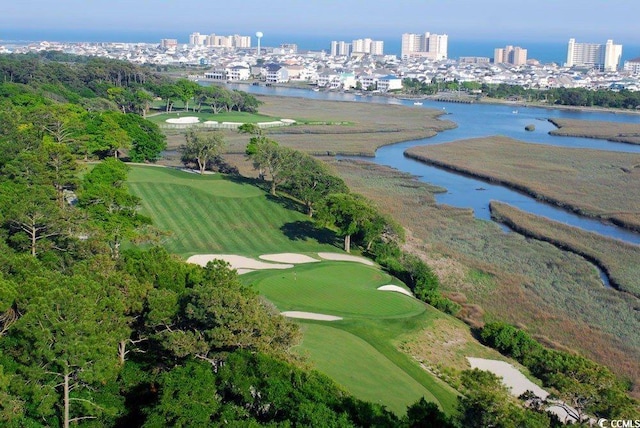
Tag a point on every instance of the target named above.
point(417, 103)
point(316, 89)
point(515, 112)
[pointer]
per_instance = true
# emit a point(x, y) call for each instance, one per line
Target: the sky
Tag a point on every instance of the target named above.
point(592, 21)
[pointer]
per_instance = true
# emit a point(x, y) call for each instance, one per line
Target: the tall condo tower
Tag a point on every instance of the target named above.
point(427, 45)
point(604, 57)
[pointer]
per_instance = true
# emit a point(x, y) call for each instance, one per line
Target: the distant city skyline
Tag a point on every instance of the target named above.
point(517, 20)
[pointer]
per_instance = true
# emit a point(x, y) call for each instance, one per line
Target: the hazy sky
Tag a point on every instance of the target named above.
point(544, 20)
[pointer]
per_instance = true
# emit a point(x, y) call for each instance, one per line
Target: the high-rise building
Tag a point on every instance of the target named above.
point(358, 46)
point(340, 48)
point(197, 39)
point(510, 55)
point(604, 57)
point(367, 46)
point(427, 45)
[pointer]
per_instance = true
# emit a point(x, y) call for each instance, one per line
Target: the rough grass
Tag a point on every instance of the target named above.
point(555, 295)
point(595, 183)
point(217, 214)
point(621, 261)
point(612, 131)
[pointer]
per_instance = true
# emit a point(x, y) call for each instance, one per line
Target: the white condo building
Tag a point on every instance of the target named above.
point(234, 41)
point(358, 46)
point(510, 55)
point(605, 57)
point(427, 45)
point(340, 48)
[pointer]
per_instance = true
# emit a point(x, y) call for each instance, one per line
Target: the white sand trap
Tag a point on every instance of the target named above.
point(310, 316)
point(183, 120)
point(346, 258)
point(293, 258)
point(237, 262)
point(517, 382)
point(395, 288)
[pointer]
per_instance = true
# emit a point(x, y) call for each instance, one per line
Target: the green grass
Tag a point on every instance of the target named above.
point(336, 288)
point(359, 352)
point(360, 368)
point(218, 214)
point(215, 214)
point(233, 116)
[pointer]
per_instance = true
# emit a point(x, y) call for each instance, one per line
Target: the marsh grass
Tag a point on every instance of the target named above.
point(621, 261)
point(612, 131)
point(554, 294)
point(594, 183)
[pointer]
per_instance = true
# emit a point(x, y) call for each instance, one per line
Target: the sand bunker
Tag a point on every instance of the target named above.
point(517, 382)
point(310, 316)
point(183, 120)
point(346, 258)
point(395, 288)
point(293, 258)
point(237, 262)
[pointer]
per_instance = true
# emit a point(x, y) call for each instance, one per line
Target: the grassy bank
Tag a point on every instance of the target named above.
point(619, 260)
point(555, 295)
point(594, 183)
point(612, 131)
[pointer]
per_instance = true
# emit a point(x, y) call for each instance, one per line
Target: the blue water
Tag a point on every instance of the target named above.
point(545, 52)
point(479, 120)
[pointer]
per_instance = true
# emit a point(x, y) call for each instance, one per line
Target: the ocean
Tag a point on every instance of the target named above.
point(545, 52)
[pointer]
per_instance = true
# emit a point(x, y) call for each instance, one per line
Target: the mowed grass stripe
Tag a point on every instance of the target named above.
point(202, 221)
point(360, 368)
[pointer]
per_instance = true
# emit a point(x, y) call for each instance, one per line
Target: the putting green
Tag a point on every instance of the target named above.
point(336, 288)
point(360, 368)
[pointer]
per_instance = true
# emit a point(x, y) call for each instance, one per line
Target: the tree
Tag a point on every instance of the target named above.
point(147, 141)
point(66, 343)
point(310, 181)
point(186, 91)
point(112, 209)
point(267, 155)
point(201, 148)
point(348, 212)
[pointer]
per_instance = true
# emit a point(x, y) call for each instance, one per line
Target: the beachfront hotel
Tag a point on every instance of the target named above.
point(234, 41)
point(603, 57)
point(427, 45)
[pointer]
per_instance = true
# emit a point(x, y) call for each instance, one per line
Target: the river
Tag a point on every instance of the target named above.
point(481, 120)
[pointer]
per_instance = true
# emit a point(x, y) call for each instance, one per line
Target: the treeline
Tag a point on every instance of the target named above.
point(587, 388)
point(129, 88)
point(579, 97)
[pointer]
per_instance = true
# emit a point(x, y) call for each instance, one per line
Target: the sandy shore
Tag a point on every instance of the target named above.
point(346, 258)
point(310, 316)
point(395, 288)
